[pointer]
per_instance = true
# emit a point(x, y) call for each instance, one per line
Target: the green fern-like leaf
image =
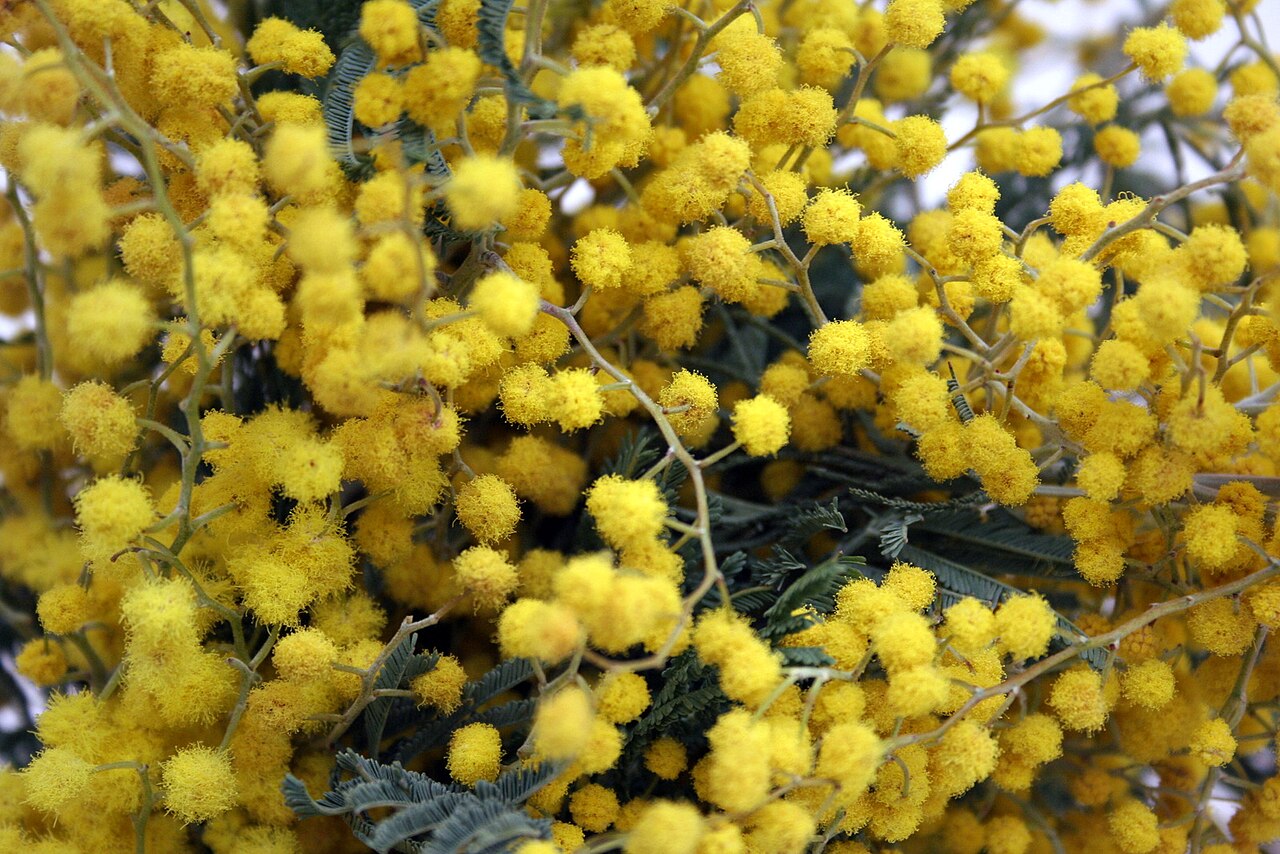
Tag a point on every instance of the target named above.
point(690, 693)
point(352, 65)
point(427, 815)
point(491, 26)
point(1000, 540)
point(958, 400)
point(430, 729)
point(636, 453)
point(392, 674)
point(812, 592)
point(805, 522)
point(504, 677)
point(924, 508)
point(805, 656)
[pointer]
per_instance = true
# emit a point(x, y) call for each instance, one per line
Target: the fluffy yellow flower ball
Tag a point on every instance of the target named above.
point(761, 424)
point(627, 512)
point(483, 191)
point(198, 784)
point(487, 575)
point(111, 322)
point(488, 508)
point(475, 753)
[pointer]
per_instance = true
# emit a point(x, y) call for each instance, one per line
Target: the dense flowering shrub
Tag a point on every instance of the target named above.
point(442, 425)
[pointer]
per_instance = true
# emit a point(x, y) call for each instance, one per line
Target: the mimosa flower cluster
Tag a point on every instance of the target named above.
point(455, 383)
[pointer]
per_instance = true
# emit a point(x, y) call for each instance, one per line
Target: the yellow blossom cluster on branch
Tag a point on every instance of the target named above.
point(453, 425)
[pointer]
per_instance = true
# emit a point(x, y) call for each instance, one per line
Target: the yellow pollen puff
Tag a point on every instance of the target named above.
point(111, 321)
point(304, 655)
point(878, 246)
point(970, 625)
point(974, 235)
point(49, 91)
point(1117, 146)
point(562, 726)
point(973, 190)
point(532, 628)
point(627, 512)
point(1197, 19)
point(101, 422)
point(1101, 475)
point(1213, 255)
point(574, 400)
point(761, 425)
point(920, 143)
point(831, 217)
point(296, 160)
point(391, 270)
point(604, 44)
point(903, 641)
point(1134, 827)
point(721, 259)
point(194, 76)
point(229, 166)
point(55, 777)
point(666, 758)
point(749, 60)
point(888, 295)
point(441, 686)
point(1150, 684)
point(507, 304)
point(321, 240)
point(1118, 364)
point(487, 507)
point(914, 23)
point(112, 511)
point(914, 336)
point(1077, 699)
point(531, 216)
point(666, 827)
point(475, 753)
point(594, 807)
point(696, 394)
point(903, 75)
point(749, 669)
point(32, 413)
point(1037, 151)
point(379, 100)
point(436, 90)
point(487, 575)
point(601, 258)
point(42, 661)
point(840, 348)
point(390, 27)
point(824, 57)
point(1192, 92)
point(913, 585)
point(64, 609)
point(979, 76)
point(1210, 532)
point(301, 52)
point(198, 784)
point(1025, 625)
point(483, 191)
point(849, 754)
point(1213, 743)
point(622, 697)
point(290, 108)
point(1093, 100)
point(1158, 51)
